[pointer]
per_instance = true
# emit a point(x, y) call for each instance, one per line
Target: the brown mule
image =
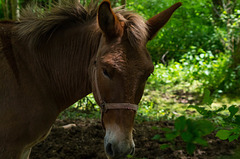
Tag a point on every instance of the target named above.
point(50, 60)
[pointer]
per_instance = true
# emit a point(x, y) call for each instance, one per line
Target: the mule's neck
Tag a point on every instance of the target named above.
point(63, 62)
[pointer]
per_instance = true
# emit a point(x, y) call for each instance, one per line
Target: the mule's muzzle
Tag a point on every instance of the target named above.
point(118, 150)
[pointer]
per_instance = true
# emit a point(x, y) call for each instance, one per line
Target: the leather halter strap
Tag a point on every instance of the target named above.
point(110, 106)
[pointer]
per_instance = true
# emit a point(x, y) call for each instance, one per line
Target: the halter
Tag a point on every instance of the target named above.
point(110, 106)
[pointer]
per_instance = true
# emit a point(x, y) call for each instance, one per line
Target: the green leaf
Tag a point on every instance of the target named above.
point(207, 99)
point(237, 119)
point(191, 148)
point(155, 128)
point(235, 130)
point(170, 136)
point(205, 127)
point(201, 141)
point(186, 136)
point(221, 109)
point(233, 137)
point(233, 110)
point(164, 146)
point(166, 130)
point(180, 123)
point(223, 134)
point(156, 137)
point(200, 110)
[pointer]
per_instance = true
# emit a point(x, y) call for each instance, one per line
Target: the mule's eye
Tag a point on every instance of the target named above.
point(105, 73)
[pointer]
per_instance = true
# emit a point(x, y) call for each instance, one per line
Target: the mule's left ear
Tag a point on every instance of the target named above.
point(158, 21)
point(108, 21)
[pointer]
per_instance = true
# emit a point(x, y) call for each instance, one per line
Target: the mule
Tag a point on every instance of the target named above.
point(50, 60)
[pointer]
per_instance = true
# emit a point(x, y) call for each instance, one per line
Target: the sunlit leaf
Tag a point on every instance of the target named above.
point(223, 134)
point(233, 137)
point(207, 97)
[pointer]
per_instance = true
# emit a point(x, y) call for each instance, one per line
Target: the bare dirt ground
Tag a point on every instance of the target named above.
point(84, 140)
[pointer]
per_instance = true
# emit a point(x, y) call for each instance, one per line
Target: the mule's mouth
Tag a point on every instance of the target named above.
point(111, 154)
point(116, 148)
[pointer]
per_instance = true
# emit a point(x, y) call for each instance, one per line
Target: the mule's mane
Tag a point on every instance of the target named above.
point(36, 23)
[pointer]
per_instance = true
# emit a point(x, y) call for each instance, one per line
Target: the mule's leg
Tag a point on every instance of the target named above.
point(26, 154)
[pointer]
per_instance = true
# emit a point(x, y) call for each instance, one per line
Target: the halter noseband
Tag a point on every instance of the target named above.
point(110, 106)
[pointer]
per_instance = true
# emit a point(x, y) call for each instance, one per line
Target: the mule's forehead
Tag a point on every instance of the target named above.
point(125, 60)
point(135, 27)
point(116, 60)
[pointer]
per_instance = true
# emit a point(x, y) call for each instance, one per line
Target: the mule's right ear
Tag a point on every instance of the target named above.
point(108, 21)
point(158, 21)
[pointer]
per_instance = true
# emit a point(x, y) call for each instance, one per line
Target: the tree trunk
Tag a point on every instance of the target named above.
point(5, 9)
point(14, 9)
point(236, 56)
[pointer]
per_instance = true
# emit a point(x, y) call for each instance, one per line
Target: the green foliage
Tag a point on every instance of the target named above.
point(86, 108)
point(193, 16)
point(209, 69)
point(196, 66)
point(190, 131)
point(198, 71)
point(223, 134)
point(231, 135)
point(207, 97)
point(229, 30)
point(202, 50)
point(225, 120)
point(230, 122)
point(231, 82)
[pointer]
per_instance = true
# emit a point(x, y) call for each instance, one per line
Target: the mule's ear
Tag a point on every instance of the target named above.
point(158, 21)
point(108, 21)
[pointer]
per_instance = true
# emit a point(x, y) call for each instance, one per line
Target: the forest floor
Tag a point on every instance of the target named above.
point(83, 139)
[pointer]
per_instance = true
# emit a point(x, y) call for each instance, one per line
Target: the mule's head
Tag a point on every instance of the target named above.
point(120, 70)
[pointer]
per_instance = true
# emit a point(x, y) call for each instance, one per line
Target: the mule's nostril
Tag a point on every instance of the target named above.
point(109, 149)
